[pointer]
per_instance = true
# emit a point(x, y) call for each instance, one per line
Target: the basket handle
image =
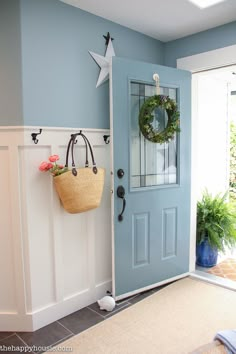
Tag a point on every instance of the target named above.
point(71, 146)
point(67, 151)
point(95, 170)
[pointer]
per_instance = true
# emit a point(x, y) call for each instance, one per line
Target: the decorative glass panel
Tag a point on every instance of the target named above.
point(152, 164)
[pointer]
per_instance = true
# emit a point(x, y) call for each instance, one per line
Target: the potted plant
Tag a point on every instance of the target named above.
point(216, 228)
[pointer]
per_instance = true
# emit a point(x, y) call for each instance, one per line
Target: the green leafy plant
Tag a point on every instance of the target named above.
point(216, 221)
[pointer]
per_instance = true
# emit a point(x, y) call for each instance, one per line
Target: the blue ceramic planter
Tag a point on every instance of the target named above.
point(206, 255)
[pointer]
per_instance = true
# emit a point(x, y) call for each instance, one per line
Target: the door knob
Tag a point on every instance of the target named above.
point(121, 194)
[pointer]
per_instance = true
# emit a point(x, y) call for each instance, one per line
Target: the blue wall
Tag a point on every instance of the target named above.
point(10, 64)
point(215, 38)
point(45, 64)
point(59, 75)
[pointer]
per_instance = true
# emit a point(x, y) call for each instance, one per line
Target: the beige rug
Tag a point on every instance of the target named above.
point(177, 319)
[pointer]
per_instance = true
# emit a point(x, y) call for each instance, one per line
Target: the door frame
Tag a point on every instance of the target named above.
point(212, 59)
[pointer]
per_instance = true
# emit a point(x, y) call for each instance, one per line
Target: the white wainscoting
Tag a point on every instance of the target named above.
point(51, 263)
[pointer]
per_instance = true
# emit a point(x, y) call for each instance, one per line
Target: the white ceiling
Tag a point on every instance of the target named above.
point(165, 20)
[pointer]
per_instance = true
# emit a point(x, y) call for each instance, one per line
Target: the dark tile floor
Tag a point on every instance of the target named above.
point(57, 332)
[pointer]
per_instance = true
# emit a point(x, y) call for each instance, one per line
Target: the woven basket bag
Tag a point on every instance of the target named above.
point(80, 189)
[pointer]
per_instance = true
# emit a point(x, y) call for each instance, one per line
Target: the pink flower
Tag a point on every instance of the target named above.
point(53, 158)
point(44, 166)
point(50, 165)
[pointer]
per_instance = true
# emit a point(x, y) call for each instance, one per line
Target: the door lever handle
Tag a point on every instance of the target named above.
point(121, 195)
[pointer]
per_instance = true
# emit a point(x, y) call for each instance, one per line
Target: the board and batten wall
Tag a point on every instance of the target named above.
point(52, 262)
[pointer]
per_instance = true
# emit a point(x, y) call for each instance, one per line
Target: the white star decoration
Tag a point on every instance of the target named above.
point(104, 62)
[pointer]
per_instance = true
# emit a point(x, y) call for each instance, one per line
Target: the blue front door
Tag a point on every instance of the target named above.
point(151, 181)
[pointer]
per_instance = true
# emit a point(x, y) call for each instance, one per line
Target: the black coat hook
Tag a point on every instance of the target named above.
point(34, 136)
point(106, 139)
point(73, 136)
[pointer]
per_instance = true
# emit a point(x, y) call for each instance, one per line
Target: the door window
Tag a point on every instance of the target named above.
point(152, 164)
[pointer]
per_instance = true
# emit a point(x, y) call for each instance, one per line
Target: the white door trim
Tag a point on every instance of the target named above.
point(112, 178)
point(204, 61)
point(208, 60)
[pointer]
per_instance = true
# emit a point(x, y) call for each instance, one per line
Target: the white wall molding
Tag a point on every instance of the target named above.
point(55, 262)
point(24, 128)
point(209, 60)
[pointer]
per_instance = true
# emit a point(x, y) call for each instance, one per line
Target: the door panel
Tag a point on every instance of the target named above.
point(169, 222)
point(151, 243)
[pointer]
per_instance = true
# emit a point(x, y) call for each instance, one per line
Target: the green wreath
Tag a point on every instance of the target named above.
point(146, 118)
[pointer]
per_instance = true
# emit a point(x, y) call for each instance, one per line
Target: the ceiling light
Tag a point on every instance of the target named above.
point(205, 3)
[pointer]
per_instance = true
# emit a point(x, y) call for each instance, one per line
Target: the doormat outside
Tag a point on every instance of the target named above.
point(225, 269)
point(178, 319)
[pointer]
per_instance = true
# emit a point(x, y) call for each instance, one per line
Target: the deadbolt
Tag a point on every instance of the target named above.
point(120, 173)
